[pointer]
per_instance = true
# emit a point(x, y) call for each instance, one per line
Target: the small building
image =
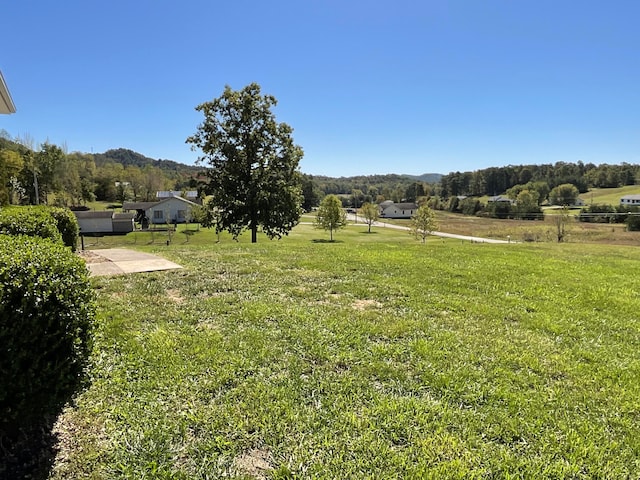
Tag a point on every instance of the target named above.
point(123, 223)
point(91, 222)
point(94, 223)
point(630, 201)
point(390, 209)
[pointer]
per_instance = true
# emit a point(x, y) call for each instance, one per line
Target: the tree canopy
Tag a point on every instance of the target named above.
point(369, 212)
point(565, 194)
point(423, 223)
point(253, 176)
point(330, 215)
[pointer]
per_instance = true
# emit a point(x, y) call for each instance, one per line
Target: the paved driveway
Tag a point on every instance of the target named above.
point(118, 261)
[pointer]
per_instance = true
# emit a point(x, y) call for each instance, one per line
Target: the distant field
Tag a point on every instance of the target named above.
point(516, 230)
point(535, 230)
point(371, 357)
point(609, 196)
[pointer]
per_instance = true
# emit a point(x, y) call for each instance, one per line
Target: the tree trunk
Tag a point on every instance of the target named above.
point(254, 223)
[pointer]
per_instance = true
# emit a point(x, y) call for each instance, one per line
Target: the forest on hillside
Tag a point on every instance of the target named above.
point(48, 174)
point(497, 180)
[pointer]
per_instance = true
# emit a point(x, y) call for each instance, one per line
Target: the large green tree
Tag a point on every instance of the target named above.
point(11, 164)
point(47, 163)
point(527, 207)
point(565, 194)
point(254, 177)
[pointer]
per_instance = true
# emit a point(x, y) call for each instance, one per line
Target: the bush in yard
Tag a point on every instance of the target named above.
point(46, 316)
point(32, 221)
point(633, 223)
point(67, 225)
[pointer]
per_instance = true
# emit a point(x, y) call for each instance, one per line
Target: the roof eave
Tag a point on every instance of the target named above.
point(6, 103)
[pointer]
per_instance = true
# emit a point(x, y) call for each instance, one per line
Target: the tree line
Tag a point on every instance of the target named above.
point(497, 180)
point(47, 174)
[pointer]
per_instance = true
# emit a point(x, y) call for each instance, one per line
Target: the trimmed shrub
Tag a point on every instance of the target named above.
point(633, 223)
point(32, 221)
point(46, 316)
point(67, 225)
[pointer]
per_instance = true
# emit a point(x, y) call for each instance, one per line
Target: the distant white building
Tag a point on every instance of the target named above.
point(389, 209)
point(630, 201)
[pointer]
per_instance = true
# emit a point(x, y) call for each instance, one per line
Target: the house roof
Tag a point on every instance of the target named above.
point(177, 198)
point(6, 103)
point(177, 193)
point(93, 214)
point(630, 197)
point(499, 198)
point(148, 205)
point(401, 206)
point(138, 205)
point(124, 216)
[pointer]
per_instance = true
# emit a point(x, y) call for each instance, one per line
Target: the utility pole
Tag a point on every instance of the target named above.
point(35, 185)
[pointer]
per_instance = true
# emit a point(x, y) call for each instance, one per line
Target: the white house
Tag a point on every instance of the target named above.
point(6, 103)
point(170, 210)
point(630, 201)
point(389, 209)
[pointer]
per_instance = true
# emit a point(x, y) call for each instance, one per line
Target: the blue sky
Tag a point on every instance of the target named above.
point(370, 87)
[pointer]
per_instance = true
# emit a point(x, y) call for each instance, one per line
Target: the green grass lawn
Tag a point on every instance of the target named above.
point(371, 357)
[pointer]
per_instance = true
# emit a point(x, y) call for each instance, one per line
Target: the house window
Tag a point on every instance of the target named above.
point(157, 215)
point(182, 214)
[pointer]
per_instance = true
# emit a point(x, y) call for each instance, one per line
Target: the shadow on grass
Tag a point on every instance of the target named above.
point(323, 240)
point(369, 233)
point(29, 453)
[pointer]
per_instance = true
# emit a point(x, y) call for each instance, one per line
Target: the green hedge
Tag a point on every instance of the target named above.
point(47, 312)
point(32, 221)
point(59, 224)
point(67, 224)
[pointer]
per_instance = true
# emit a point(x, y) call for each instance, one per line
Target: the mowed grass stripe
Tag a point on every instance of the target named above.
point(366, 359)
